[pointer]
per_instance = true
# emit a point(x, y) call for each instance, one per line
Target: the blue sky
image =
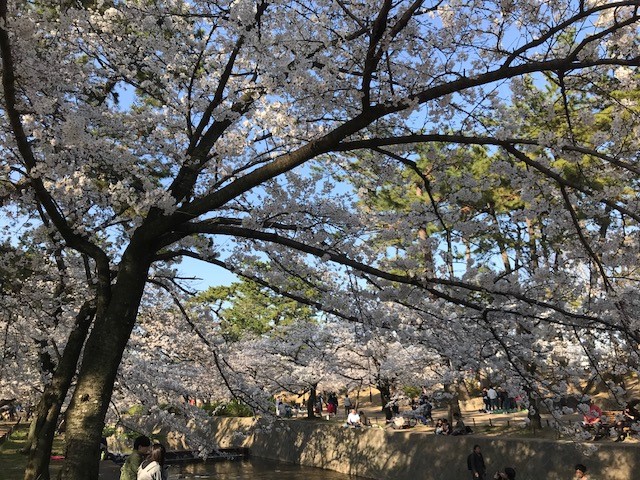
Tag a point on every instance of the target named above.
point(210, 275)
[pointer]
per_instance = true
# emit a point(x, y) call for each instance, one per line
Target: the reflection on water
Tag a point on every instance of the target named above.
point(254, 469)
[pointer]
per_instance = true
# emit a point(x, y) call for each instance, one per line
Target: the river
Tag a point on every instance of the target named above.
point(251, 469)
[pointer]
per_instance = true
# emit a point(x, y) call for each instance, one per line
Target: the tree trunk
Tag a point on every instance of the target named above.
point(533, 413)
point(502, 246)
point(385, 393)
point(311, 403)
point(385, 398)
point(103, 353)
point(43, 426)
point(453, 403)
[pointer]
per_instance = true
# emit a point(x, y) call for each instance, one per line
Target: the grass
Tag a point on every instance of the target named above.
point(12, 462)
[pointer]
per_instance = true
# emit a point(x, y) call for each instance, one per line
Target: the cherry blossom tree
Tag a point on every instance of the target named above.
point(145, 133)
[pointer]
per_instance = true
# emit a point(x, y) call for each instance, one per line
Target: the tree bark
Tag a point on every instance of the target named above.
point(311, 402)
point(385, 397)
point(453, 403)
point(385, 393)
point(103, 353)
point(43, 425)
point(534, 410)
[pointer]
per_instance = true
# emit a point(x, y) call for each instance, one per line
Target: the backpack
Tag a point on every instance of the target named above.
point(470, 461)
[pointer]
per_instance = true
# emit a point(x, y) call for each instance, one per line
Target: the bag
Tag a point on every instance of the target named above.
point(469, 461)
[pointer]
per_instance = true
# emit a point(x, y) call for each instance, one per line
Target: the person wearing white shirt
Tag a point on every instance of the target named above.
point(353, 419)
point(493, 398)
point(153, 467)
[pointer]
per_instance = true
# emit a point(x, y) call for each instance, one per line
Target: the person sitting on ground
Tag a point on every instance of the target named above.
point(630, 415)
point(592, 418)
point(438, 429)
point(446, 427)
point(459, 428)
point(353, 419)
point(364, 420)
point(141, 447)
point(508, 474)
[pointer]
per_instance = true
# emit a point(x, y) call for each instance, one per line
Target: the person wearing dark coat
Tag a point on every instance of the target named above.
point(475, 463)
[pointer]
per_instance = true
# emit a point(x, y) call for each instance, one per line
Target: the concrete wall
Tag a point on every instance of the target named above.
point(405, 455)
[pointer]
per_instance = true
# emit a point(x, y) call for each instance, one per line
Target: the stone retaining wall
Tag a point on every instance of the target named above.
point(405, 455)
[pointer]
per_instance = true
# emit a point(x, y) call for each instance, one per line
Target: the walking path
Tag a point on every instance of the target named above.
point(514, 423)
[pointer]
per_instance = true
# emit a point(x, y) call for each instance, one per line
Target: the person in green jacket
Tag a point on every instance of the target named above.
point(141, 447)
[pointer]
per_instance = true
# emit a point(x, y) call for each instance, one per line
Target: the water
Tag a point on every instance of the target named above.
point(251, 469)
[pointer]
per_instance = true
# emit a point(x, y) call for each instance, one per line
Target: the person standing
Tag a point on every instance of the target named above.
point(475, 463)
point(141, 447)
point(153, 467)
point(493, 398)
point(485, 400)
point(347, 404)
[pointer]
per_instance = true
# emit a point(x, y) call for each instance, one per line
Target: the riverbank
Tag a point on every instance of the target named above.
point(385, 454)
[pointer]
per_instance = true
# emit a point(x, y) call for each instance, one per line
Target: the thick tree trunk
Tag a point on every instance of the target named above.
point(385, 397)
point(103, 353)
point(311, 402)
point(385, 393)
point(43, 426)
point(534, 410)
point(453, 403)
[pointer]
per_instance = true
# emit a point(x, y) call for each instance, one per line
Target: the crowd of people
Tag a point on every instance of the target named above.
point(497, 398)
point(147, 462)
